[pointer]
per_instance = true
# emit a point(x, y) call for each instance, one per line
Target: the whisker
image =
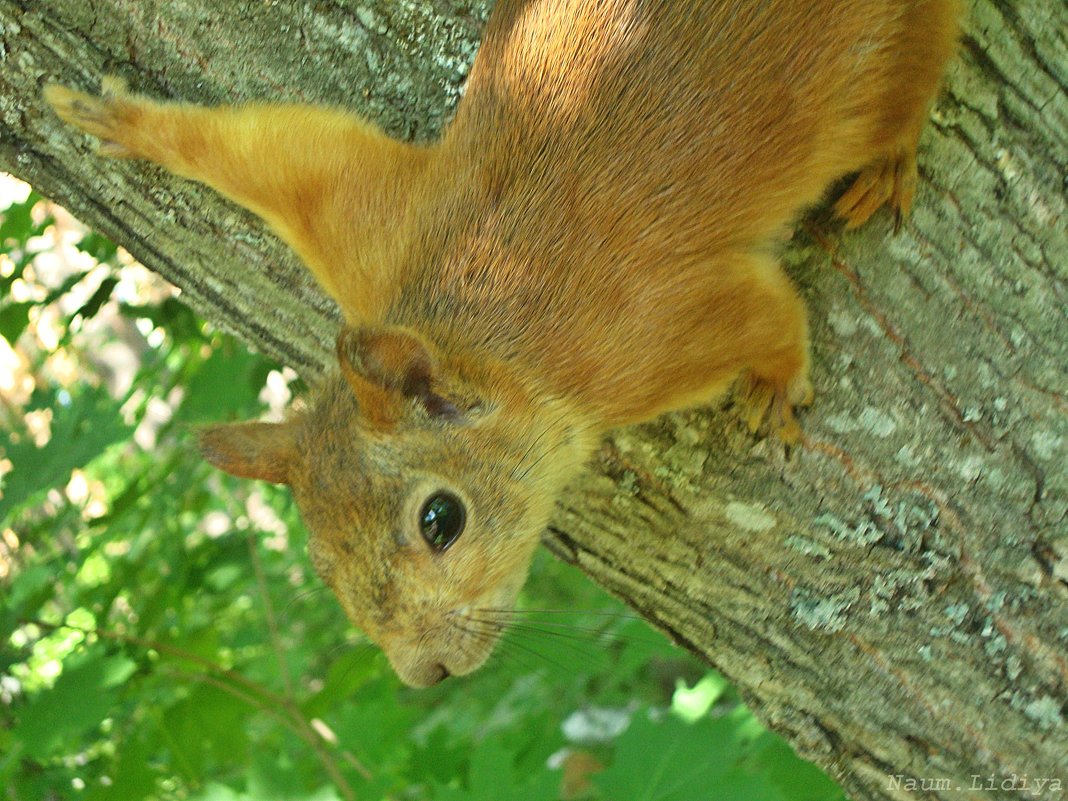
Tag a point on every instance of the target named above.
point(557, 446)
point(513, 637)
point(480, 634)
point(299, 598)
point(360, 651)
point(346, 643)
point(506, 613)
point(570, 648)
point(511, 642)
point(424, 636)
point(601, 635)
point(513, 659)
point(608, 624)
point(566, 632)
point(551, 451)
point(565, 629)
point(532, 445)
point(534, 464)
point(481, 630)
point(526, 453)
point(603, 631)
point(530, 623)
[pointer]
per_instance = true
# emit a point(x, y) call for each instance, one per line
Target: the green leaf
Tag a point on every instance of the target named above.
point(796, 779)
point(449, 792)
point(69, 284)
point(14, 318)
point(54, 719)
point(101, 296)
point(29, 586)
point(133, 778)
point(225, 386)
point(172, 315)
point(99, 247)
point(669, 760)
point(7, 281)
point(543, 786)
point(82, 428)
point(271, 776)
point(729, 758)
point(347, 673)
point(218, 792)
point(373, 724)
point(29, 589)
point(207, 724)
point(16, 221)
point(441, 759)
point(490, 776)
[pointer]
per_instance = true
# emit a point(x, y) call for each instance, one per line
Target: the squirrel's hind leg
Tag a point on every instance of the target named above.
point(776, 378)
point(926, 40)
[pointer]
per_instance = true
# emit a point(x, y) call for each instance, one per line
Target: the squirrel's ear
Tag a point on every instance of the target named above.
point(265, 451)
point(386, 366)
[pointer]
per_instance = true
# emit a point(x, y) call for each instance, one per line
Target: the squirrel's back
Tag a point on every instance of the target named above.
point(610, 155)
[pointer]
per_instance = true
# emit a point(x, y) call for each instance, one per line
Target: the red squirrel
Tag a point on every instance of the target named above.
point(590, 244)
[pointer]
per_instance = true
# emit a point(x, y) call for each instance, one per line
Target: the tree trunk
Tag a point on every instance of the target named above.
point(892, 595)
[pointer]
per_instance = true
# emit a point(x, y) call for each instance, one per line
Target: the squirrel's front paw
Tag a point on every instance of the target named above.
point(770, 404)
point(111, 118)
point(890, 180)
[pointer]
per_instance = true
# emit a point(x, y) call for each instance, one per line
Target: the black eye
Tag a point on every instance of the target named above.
point(442, 520)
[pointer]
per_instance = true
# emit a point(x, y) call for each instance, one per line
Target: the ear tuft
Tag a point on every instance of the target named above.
point(264, 451)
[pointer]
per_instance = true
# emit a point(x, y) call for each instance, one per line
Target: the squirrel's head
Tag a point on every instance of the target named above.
point(425, 485)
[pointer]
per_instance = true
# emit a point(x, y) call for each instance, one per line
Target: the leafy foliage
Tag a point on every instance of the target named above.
point(162, 633)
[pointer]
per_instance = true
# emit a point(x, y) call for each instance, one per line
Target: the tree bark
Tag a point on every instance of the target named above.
point(892, 595)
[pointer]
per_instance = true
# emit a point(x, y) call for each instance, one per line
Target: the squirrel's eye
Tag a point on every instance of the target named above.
point(442, 520)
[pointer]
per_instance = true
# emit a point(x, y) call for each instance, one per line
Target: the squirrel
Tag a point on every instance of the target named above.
point(590, 244)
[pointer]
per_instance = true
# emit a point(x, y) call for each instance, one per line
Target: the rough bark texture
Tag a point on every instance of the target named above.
point(892, 595)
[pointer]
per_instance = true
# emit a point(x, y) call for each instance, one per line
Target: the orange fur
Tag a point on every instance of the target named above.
point(586, 247)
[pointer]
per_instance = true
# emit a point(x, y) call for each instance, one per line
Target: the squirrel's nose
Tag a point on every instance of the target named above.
point(427, 675)
point(422, 674)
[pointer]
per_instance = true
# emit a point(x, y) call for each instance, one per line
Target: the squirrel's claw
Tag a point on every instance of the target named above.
point(770, 405)
point(105, 116)
point(889, 181)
